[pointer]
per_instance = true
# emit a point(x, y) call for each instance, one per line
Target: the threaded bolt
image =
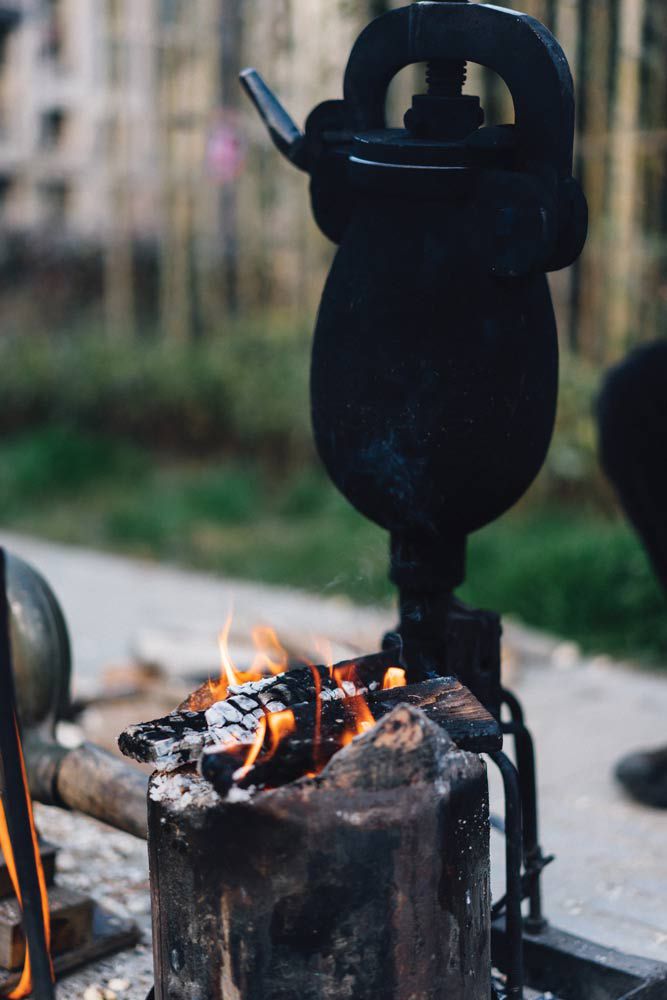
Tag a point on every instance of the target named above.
point(446, 77)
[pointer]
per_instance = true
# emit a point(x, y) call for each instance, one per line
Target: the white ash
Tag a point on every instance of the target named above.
point(245, 703)
point(183, 791)
point(234, 734)
point(222, 712)
point(332, 694)
point(251, 687)
point(275, 706)
point(236, 794)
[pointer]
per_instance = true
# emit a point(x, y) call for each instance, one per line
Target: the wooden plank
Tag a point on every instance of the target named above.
point(71, 926)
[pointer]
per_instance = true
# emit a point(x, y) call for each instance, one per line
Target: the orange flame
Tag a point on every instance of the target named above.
point(270, 659)
point(347, 679)
point(24, 986)
point(271, 656)
point(362, 719)
point(317, 684)
point(280, 724)
point(255, 749)
point(394, 678)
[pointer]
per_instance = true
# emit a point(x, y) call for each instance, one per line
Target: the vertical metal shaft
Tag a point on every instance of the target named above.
point(513, 850)
point(17, 812)
point(533, 857)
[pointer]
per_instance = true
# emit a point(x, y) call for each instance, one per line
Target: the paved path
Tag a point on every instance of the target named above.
point(610, 880)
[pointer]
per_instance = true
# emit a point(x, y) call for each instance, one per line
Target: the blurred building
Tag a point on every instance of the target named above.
point(93, 94)
point(122, 127)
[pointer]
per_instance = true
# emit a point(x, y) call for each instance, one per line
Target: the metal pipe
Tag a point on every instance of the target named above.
point(533, 857)
point(513, 850)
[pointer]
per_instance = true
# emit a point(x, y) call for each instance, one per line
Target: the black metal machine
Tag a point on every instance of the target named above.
point(435, 363)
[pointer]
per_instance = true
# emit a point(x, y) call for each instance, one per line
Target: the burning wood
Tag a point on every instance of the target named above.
point(324, 703)
point(311, 738)
point(181, 737)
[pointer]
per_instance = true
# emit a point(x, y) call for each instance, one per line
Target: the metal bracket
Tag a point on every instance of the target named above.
point(574, 969)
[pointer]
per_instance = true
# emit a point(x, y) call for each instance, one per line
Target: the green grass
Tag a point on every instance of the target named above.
point(577, 574)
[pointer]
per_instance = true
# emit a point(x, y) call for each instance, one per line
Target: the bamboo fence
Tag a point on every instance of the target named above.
point(261, 248)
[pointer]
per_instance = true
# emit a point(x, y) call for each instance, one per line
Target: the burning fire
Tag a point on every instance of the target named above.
point(394, 678)
point(362, 719)
point(24, 986)
point(271, 658)
point(280, 725)
point(255, 749)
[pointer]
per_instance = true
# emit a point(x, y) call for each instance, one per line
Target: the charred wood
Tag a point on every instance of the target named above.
point(179, 738)
point(317, 736)
point(182, 737)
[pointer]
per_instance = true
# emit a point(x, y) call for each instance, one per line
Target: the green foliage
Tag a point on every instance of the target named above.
point(575, 575)
point(244, 390)
point(55, 462)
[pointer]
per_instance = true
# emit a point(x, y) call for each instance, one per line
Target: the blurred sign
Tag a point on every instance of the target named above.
point(226, 148)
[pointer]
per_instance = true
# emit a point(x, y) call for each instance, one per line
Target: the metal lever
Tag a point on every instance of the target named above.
point(285, 135)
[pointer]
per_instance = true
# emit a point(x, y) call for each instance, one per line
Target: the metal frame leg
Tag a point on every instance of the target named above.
point(533, 859)
point(513, 859)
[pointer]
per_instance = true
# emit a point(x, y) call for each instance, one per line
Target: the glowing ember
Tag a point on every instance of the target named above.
point(394, 678)
point(24, 986)
point(348, 681)
point(279, 725)
point(317, 682)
